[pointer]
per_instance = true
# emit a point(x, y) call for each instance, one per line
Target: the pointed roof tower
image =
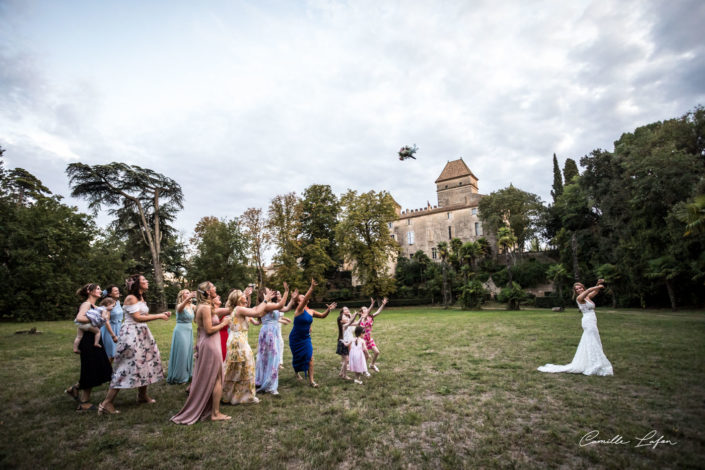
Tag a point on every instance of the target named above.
point(455, 169)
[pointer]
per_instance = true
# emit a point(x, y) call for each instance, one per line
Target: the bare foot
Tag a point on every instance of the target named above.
point(146, 399)
point(346, 377)
point(220, 417)
point(298, 377)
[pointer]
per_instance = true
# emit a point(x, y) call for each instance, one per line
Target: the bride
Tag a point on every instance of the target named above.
point(589, 358)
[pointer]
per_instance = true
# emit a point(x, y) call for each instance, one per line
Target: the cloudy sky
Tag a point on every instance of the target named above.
point(242, 100)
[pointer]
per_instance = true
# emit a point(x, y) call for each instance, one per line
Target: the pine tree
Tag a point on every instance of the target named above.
point(557, 180)
point(570, 170)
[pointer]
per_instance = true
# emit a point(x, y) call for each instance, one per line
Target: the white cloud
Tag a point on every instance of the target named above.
point(240, 102)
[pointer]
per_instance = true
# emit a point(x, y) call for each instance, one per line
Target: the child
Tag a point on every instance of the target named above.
point(345, 337)
point(358, 355)
point(98, 317)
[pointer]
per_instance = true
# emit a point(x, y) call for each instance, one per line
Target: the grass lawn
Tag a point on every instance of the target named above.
point(456, 389)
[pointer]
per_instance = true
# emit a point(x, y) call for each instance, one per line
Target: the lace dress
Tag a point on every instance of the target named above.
point(357, 359)
point(589, 358)
point(137, 362)
point(239, 381)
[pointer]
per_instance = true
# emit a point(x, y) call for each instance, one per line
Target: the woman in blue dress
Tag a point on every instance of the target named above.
point(181, 355)
point(116, 315)
point(269, 348)
point(300, 336)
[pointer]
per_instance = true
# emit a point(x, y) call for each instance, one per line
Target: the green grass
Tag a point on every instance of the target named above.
point(457, 389)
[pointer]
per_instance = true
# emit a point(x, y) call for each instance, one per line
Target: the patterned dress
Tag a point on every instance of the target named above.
point(116, 315)
point(137, 362)
point(268, 353)
point(181, 355)
point(367, 324)
point(239, 381)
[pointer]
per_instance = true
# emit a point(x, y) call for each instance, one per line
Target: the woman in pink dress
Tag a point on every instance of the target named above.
point(206, 388)
point(367, 321)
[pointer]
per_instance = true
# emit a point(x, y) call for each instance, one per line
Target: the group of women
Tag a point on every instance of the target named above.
point(219, 374)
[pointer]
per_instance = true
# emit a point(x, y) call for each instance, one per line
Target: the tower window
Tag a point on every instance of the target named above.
point(450, 237)
point(434, 253)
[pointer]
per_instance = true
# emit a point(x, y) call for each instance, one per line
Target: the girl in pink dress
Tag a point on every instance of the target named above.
point(358, 355)
point(367, 321)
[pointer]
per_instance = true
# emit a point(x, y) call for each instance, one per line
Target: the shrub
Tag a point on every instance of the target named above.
point(512, 296)
point(473, 295)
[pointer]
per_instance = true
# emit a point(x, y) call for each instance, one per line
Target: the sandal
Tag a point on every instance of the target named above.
point(73, 392)
point(149, 400)
point(104, 410)
point(313, 384)
point(90, 408)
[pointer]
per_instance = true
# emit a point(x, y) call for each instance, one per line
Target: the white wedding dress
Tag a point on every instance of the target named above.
point(589, 358)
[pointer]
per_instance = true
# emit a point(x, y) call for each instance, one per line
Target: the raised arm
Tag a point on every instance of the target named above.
point(307, 296)
point(279, 305)
point(288, 306)
point(325, 312)
point(352, 321)
point(381, 307)
point(372, 303)
point(591, 292)
point(257, 311)
point(186, 301)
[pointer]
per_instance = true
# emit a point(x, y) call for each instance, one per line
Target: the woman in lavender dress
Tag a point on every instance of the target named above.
point(269, 348)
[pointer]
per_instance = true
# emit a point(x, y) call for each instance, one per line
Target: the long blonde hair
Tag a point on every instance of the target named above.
point(202, 294)
point(180, 296)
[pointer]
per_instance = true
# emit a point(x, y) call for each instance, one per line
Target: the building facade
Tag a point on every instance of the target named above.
point(455, 216)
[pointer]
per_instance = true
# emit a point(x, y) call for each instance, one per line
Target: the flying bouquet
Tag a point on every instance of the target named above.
point(407, 152)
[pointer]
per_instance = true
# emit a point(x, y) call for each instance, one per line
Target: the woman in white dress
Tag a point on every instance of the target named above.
point(589, 358)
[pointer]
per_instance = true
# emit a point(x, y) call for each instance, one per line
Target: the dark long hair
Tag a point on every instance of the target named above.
point(109, 289)
point(133, 286)
point(340, 325)
point(84, 291)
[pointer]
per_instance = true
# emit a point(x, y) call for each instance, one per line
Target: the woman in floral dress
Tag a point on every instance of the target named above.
point(239, 382)
point(269, 348)
point(137, 363)
point(367, 321)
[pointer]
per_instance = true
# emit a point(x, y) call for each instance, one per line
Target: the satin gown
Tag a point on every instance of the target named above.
point(300, 342)
point(181, 355)
point(209, 367)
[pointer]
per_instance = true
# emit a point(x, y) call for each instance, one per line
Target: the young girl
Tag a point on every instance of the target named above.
point(367, 321)
point(358, 355)
point(98, 317)
point(346, 322)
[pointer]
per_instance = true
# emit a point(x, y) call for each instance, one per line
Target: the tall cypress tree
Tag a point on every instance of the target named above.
point(570, 170)
point(557, 180)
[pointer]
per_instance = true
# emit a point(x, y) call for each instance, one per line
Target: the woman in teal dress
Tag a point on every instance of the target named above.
point(116, 315)
point(181, 355)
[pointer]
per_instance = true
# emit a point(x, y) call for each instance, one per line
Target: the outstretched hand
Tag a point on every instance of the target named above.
point(313, 283)
point(331, 306)
point(268, 294)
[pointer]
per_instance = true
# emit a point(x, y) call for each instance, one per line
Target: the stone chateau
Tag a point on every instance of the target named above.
point(455, 216)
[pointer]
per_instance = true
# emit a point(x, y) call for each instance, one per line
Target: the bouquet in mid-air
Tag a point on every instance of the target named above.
point(407, 152)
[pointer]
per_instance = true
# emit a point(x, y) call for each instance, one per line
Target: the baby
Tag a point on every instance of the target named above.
point(97, 316)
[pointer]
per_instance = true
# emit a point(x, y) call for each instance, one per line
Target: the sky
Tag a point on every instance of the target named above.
point(239, 101)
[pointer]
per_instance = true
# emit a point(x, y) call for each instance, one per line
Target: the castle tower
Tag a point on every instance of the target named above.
point(456, 184)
